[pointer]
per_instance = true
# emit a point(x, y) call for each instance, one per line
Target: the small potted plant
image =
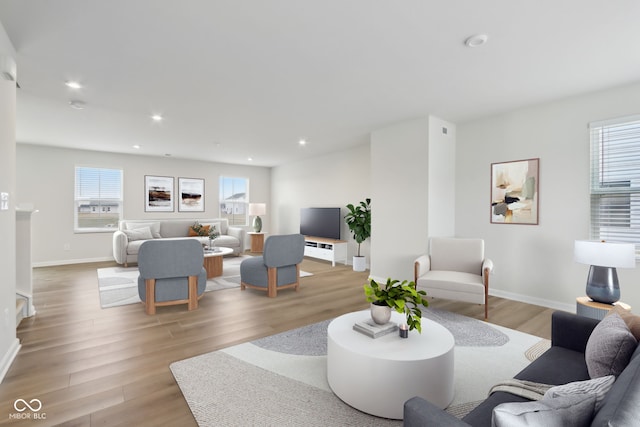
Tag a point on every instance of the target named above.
point(400, 296)
point(359, 221)
point(213, 235)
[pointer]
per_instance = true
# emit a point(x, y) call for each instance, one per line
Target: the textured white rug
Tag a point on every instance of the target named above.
point(281, 380)
point(119, 285)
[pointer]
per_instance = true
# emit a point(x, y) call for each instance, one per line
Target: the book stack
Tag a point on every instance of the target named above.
point(373, 330)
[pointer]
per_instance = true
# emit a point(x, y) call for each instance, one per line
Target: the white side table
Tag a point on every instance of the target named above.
point(596, 310)
point(378, 375)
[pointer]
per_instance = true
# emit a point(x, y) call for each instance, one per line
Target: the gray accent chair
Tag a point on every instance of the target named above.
point(171, 272)
point(277, 268)
point(455, 269)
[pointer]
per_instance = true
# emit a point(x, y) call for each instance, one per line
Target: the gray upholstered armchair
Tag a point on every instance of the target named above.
point(171, 272)
point(277, 268)
point(455, 269)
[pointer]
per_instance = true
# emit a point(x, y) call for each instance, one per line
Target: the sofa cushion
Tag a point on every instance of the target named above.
point(213, 224)
point(597, 386)
point(153, 226)
point(573, 410)
point(204, 231)
point(610, 347)
point(142, 233)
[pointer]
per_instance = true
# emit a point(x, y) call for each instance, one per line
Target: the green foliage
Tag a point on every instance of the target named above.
point(402, 297)
point(359, 221)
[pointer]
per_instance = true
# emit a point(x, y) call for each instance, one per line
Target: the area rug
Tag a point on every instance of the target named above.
point(119, 285)
point(281, 380)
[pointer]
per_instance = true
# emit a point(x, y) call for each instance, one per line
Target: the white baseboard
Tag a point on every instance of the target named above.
point(71, 261)
point(8, 358)
point(571, 308)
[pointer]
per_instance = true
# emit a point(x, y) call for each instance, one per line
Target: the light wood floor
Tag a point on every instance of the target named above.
point(90, 366)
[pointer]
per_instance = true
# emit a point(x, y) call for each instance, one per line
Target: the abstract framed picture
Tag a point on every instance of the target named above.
point(515, 192)
point(191, 195)
point(158, 193)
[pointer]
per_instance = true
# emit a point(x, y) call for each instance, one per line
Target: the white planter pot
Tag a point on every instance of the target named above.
point(381, 314)
point(359, 263)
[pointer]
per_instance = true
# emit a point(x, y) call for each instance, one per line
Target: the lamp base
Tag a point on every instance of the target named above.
point(602, 284)
point(257, 224)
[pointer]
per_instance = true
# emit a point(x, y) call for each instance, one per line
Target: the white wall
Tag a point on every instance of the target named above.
point(332, 180)
point(45, 178)
point(410, 160)
point(9, 344)
point(534, 263)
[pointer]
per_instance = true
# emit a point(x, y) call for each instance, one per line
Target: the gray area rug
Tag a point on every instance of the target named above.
point(119, 285)
point(281, 380)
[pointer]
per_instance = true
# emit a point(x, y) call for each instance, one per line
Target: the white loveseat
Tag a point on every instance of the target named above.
point(132, 233)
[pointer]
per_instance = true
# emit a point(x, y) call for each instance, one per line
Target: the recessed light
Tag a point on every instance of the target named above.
point(78, 105)
point(73, 84)
point(302, 142)
point(137, 147)
point(476, 40)
point(250, 159)
point(156, 117)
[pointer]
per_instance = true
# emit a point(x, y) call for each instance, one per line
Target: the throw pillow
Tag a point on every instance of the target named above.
point(575, 410)
point(204, 231)
point(211, 225)
point(609, 347)
point(597, 386)
point(632, 321)
point(153, 226)
point(143, 233)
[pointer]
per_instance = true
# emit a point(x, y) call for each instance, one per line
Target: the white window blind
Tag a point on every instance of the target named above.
point(615, 180)
point(98, 199)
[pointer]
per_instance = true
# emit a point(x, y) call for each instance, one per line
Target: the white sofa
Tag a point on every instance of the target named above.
point(132, 233)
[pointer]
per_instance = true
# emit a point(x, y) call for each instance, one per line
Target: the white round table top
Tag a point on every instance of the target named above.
point(434, 341)
point(219, 251)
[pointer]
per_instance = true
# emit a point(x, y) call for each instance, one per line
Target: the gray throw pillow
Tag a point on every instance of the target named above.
point(143, 233)
point(153, 226)
point(597, 386)
point(609, 347)
point(575, 410)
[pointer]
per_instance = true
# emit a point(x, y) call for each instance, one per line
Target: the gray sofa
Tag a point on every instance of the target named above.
point(563, 363)
point(132, 233)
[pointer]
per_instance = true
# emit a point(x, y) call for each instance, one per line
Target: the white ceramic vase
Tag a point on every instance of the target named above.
point(381, 314)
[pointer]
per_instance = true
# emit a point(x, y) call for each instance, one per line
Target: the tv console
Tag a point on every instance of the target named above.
point(326, 249)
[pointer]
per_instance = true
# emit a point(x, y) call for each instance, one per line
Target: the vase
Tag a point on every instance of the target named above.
point(380, 313)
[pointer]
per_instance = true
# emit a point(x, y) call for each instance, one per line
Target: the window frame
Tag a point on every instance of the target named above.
point(221, 199)
point(107, 202)
point(615, 180)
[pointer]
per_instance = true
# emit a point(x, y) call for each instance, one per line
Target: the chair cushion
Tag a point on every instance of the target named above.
point(454, 254)
point(452, 281)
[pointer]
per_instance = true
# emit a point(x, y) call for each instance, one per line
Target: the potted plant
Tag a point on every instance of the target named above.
point(359, 221)
point(401, 296)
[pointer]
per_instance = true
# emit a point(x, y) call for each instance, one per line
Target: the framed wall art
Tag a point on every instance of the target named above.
point(515, 192)
point(158, 192)
point(190, 195)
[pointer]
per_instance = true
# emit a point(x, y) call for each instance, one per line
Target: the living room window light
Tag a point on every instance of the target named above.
point(615, 180)
point(98, 199)
point(234, 200)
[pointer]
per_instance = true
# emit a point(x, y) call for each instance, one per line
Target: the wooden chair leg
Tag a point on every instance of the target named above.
point(193, 293)
point(272, 282)
point(297, 277)
point(150, 301)
point(486, 294)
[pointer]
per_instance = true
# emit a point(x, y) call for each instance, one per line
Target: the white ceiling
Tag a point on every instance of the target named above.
point(248, 78)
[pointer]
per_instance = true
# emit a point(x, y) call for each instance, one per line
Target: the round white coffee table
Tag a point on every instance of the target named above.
point(378, 375)
point(213, 261)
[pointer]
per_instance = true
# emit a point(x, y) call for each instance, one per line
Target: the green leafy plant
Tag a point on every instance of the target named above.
point(199, 229)
point(359, 221)
point(403, 297)
point(213, 232)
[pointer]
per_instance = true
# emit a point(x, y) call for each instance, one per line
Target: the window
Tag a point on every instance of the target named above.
point(98, 199)
point(234, 197)
point(615, 180)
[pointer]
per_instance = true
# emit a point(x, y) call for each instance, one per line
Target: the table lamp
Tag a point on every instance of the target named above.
point(604, 258)
point(257, 209)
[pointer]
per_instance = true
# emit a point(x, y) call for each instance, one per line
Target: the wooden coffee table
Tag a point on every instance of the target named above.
point(378, 375)
point(213, 261)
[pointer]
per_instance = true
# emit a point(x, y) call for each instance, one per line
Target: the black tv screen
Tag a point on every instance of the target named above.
point(320, 222)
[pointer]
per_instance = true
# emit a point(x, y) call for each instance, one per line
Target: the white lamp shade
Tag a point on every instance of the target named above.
point(605, 254)
point(257, 209)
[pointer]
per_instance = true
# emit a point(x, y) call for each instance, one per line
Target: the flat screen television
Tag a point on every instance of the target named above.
point(321, 222)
